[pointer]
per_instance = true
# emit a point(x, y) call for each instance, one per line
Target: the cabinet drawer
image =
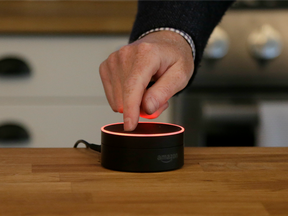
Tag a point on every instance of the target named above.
point(60, 126)
point(57, 126)
point(60, 65)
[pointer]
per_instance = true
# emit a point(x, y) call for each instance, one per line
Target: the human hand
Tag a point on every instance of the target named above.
point(164, 57)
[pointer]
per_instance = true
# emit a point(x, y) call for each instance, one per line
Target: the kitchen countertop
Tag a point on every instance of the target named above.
point(66, 17)
point(213, 181)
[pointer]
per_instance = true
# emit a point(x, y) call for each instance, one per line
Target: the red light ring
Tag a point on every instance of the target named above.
point(143, 135)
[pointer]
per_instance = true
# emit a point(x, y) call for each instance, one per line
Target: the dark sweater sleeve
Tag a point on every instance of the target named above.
point(197, 18)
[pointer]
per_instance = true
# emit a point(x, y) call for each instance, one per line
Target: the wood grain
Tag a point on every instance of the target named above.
point(213, 181)
point(66, 17)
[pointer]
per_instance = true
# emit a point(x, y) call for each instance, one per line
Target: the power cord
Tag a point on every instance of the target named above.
point(95, 147)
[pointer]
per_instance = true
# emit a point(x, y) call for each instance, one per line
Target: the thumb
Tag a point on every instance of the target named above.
point(171, 82)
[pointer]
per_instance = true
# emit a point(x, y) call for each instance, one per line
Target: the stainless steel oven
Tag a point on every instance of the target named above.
point(240, 94)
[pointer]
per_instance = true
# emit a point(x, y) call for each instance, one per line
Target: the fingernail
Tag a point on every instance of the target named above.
point(127, 124)
point(151, 105)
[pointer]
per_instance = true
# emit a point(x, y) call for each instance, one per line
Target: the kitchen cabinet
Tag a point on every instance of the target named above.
point(62, 98)
point(58, 97)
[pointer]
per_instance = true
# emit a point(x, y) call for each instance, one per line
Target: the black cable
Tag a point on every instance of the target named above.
point(88, 145)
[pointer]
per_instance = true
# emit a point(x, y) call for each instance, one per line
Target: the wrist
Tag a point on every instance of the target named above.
point(183, 34)
point(170, 43)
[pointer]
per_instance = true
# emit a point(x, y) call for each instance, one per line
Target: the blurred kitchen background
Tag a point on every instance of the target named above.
point(51, 94)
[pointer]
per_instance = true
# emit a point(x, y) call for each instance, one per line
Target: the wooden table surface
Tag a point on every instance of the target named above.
point(213, 181)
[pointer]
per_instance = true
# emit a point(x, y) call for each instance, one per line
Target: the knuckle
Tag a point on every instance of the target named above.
point(104, 75)
point(112, 59)
point(112, 104)
point(114, 108)
point(112, 63)
point(144, 47)
point(120, 109)
point(146, 51)
point(132, 83)
point(163, 93)
point(129, 83)
point(118, 104)
point(183, 78)
point(123, 52)
point(102, 70)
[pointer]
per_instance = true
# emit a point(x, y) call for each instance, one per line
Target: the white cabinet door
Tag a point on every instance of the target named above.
point(60, 65)
point(58, 126)
point(61, 126)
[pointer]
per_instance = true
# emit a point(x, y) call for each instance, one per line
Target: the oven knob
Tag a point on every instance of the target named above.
point(218, 44)
point(265, 43)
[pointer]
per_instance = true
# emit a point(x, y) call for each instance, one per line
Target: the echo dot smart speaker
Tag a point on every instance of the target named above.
point(151, 147)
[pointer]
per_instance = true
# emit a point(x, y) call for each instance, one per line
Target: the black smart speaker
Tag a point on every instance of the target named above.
point(151, 147)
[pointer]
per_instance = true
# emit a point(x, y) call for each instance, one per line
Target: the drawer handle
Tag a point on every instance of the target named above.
point(12, 67)
point(13, 133)
point(227, 113)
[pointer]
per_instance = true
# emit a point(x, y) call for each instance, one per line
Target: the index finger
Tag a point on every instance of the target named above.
point(134, 88)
